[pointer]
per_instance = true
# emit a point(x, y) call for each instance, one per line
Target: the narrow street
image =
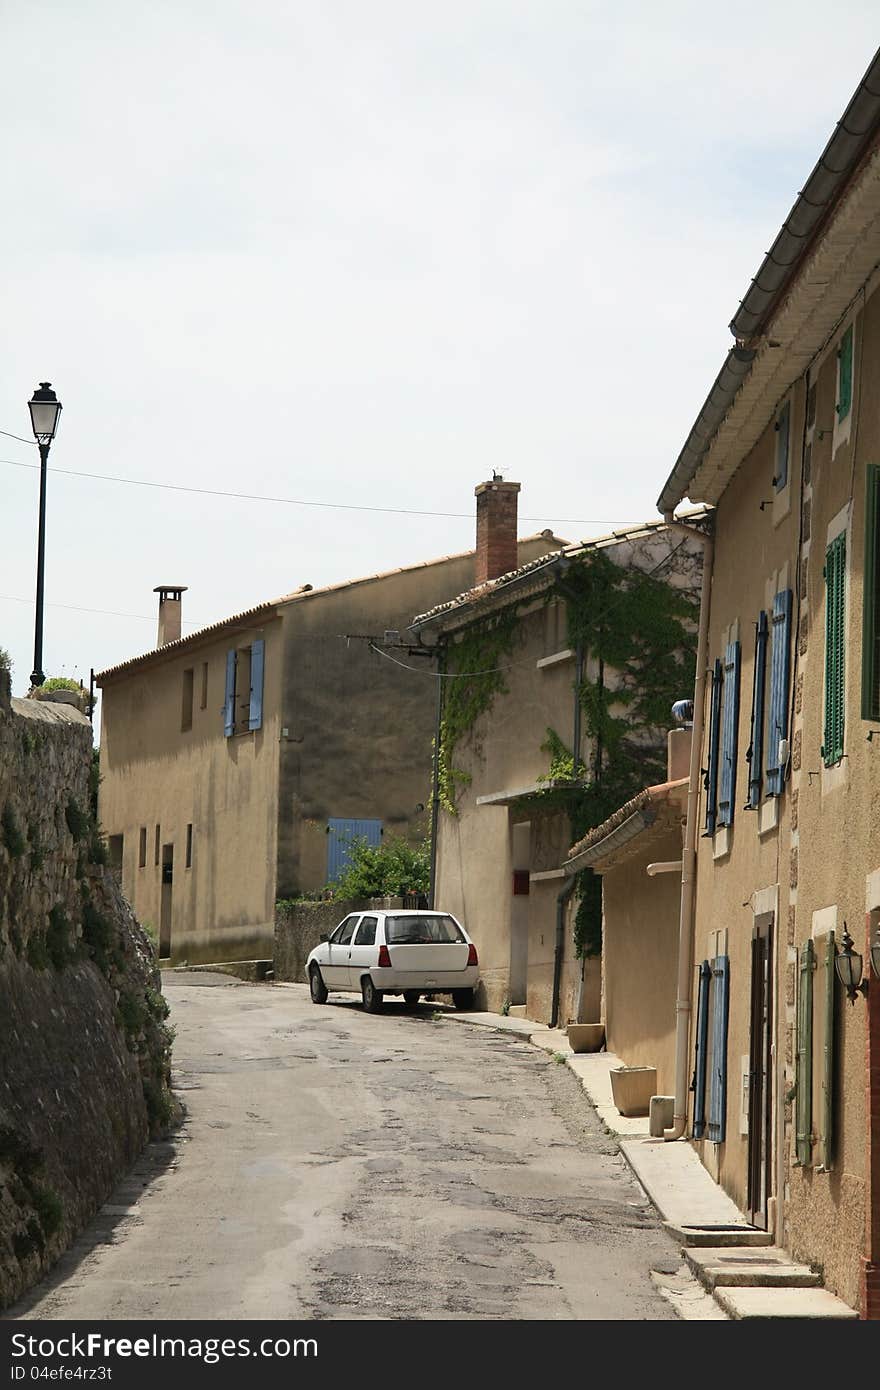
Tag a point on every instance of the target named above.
point(334, 1164)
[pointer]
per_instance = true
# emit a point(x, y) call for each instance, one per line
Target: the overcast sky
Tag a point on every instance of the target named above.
point(365, 252)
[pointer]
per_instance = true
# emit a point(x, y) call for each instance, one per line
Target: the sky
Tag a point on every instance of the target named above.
point(359, 256)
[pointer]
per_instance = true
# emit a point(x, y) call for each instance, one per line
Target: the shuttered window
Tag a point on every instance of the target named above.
point(777, 724)
point(871, 626)
point(255, 717)
point(718, 1082)
point(844, 374)
point(783, 431)
point(229, 701)
point(804, 1082)
point(835, 653)
point(702, 1043)
point(826, 1117)
point(729, 733)
point(755, 753)
point(711, 781)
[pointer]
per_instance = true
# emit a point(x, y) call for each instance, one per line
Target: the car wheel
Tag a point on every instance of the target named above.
point(371, 996)
point(463, 998)
point(317, 988)
point(411, 997)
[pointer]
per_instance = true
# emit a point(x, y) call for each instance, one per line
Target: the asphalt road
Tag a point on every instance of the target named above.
point(335, 1164)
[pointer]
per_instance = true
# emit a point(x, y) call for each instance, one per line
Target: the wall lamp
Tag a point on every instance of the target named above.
point(848, 965)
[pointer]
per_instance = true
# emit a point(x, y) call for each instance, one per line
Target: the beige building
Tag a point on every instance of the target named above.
point(786, 1107)
point(513, 709)
point(238, 762)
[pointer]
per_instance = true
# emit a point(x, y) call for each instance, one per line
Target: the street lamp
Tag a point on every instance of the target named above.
point(45, 408)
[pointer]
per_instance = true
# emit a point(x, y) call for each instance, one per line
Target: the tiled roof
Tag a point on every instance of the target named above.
point(693, 515)
point(267, 609)
point(648, 799)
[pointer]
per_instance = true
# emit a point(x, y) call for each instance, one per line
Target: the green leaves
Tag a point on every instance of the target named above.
point(390, 869)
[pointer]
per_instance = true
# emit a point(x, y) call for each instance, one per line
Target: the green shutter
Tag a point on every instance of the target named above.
point(835, 649)
point(804, 1083)
point(844, 373)
point(871, 625)
point(826, 1118)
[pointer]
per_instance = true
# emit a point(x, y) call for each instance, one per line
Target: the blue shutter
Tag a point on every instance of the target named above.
point(729, 732)
point(718, 1084)
point(755, 754)
point(700, 1051)
point(783, 429)
point(711, 782)
point(777, 727)
point(229, 703)
point(343, 834)
point(255, 714)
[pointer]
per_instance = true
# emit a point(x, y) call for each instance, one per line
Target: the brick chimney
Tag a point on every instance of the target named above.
point(169, 612)
point(496, 529)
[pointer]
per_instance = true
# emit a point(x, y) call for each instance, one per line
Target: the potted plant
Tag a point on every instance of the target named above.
point(586, 1037)
point(632, 1089)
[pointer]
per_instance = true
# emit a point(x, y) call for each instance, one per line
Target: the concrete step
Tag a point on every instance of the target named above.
point(718, 1235)
point(782, 1303)
point(748, 1267)
point(516, 1011)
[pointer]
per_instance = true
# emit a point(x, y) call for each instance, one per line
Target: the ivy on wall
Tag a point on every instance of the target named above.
point(479, 658)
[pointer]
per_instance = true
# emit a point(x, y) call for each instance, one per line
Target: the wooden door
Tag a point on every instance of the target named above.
point(760, 1073)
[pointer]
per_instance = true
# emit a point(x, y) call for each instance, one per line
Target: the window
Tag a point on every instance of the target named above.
point(711, 1036)
point(115, 849)
point(871, 620)
point(142, 848)
point(777, 725)
point(755, 754)
point(711, 779)
point(729, 733)
point(835, 649)
point(203, 700)
point(157, 846)
point(344, 932)
point(366, 932)
point(186, 710)
point(189, 846)
point(783, 431)
point(422, 931)
point(844, 374)
point(243, 706)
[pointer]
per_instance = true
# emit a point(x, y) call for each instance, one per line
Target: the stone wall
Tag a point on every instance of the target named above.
point(84, 1053)
point(299, 927)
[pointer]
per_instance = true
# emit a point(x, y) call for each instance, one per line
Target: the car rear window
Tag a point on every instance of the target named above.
point(422, 931)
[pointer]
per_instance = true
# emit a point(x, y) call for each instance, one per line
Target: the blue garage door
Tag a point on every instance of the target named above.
point(340, 838)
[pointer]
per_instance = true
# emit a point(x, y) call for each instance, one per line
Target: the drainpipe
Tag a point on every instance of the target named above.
point(689, 853)
point(561, 901)
point(435, 784)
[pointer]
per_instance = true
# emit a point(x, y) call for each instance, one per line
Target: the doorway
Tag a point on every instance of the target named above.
point(760, 1072)
point(520, 853)
point(167, 888)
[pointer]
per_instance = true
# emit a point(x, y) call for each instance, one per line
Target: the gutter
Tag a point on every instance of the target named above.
point(689, 852)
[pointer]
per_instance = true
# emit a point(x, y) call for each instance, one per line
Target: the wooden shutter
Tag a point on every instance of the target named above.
point(255, 713)
point(711, 782)
point(871, 599)
point(755, 754)
point(844, 374)
point(718, 1083)
point(702, 1042)
point(777, 727)
point(826, 1117)
point(729, 733)
point(835, 652)
point(804, 1082)
point(229, 702)
point(783, 430)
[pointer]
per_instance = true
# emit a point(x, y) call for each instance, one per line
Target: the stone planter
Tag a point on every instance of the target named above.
point(632, 1089)
point(585, 1037)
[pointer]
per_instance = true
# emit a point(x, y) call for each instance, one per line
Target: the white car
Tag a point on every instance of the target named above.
point(408, 953)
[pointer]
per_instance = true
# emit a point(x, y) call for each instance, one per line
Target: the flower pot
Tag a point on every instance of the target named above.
point(632, 1089)
point(585, 1037)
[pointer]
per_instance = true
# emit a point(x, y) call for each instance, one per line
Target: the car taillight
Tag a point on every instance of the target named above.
point(384, 958)
point(472, 955)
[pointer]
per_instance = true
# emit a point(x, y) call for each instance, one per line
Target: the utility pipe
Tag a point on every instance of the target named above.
point(689, 852)
point(665, 866)
point(435, 783)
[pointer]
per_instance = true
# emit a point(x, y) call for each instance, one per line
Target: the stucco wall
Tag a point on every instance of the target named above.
point(156, 774)
point(83, 1053)
point(828, 834)
point(640, 949)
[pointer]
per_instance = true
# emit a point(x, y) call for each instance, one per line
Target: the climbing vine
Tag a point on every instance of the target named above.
point(477, 660)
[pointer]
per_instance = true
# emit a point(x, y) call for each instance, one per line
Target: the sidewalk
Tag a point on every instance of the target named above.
point(747, 1275)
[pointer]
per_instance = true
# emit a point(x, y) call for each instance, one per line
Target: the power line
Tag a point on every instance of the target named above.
point(19, 437)
point(103, 612)
point(287, 501)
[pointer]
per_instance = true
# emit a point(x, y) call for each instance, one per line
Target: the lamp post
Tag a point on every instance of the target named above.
point(45, 408)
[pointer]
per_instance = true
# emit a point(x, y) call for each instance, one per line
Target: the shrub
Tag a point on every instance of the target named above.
point(78, 823)
point(386, 870)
